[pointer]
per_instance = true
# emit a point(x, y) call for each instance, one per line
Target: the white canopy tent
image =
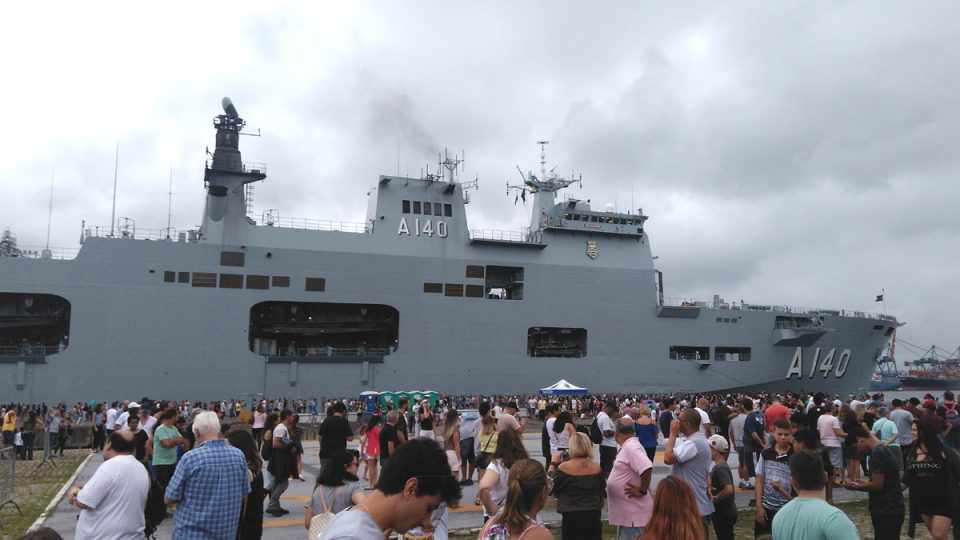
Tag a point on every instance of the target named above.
point(563, 388)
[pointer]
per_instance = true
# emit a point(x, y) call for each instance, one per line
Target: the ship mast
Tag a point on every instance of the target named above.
point(544, 189)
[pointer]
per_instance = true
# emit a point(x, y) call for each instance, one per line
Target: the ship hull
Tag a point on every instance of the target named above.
point(132, 334)
point(930, 383)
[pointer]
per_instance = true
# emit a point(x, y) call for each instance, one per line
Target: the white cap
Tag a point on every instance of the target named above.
point(719, 443)
point(133, 405)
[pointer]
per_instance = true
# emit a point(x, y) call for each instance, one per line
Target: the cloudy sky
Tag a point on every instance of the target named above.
point(794, 153)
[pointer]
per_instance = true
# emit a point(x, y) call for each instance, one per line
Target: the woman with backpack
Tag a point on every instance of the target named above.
point(337, 489)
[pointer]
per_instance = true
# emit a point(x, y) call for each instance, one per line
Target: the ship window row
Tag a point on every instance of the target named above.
point(500, 283)
point(213, 280)
point(721, 354)
point(593, 218)
point(427, 208)
point(454, 289)
point(728, 320)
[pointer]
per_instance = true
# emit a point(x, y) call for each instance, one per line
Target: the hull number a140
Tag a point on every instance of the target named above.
point(824, 365)
point(422, 227)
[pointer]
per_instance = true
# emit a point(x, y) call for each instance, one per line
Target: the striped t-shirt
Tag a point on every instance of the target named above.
point(774, 467)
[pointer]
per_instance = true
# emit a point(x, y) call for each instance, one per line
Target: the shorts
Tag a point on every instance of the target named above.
point(467, 451)
point(454, 461)
point(835, 454)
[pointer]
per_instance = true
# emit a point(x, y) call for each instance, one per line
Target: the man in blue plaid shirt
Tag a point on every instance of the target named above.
point(209, 485)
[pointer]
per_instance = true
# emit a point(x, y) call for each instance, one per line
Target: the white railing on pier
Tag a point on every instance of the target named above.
point(784, 309)
point(313, 224)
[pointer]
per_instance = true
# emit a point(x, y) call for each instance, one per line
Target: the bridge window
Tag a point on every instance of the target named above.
point(437, 209)
point(427, 209)
point(416, 207)
point(316, 284)
point(433, 287)
point(204, 279)
point(474, 271)
point(687, 352)
point(231, 258)
point(474, 291)
point(447, 210)
point(183, 277)
point(258, 282)
point(732, 354)
point(169, 277)
point(231, 281)
point(548, 342)
point(312, 329)
point(280, 281)
point(33, 324)
point(453, 289)
point(504, 282)
point(406, 207)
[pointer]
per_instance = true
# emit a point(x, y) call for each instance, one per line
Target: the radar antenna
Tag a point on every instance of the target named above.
point(548, 182)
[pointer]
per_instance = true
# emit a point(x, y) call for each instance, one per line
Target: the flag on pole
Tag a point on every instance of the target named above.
point(879, 298)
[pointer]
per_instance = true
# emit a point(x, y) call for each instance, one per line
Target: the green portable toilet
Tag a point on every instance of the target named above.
point(388, 400)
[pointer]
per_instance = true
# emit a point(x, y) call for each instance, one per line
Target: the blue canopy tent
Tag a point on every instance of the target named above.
point(563, 388)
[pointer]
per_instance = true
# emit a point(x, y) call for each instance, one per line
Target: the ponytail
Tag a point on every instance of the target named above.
point(525, 488)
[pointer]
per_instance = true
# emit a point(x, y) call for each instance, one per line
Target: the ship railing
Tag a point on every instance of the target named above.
point(33, 252)
point(333, 351)
point(132, 233)
point(246, 166)
point(522, 236)
point(29, 350)
point(784, 309)
point(313, 224)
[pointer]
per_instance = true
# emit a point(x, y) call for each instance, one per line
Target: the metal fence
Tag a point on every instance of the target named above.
point(8, 471)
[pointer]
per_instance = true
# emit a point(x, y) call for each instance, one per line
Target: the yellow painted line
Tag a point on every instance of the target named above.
point(302, 498)
point(276, 523)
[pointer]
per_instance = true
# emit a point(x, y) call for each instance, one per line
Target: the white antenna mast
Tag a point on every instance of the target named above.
point(113, 211)
point(170, 203)
point(543, 159)
point(53, 175)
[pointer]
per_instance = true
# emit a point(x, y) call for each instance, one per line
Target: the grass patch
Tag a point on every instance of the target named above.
point(35, 487)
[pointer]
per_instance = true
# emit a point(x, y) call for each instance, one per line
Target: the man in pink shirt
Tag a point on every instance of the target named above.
point(629, 503)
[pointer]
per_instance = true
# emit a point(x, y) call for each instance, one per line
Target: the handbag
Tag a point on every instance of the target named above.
point(320, 521)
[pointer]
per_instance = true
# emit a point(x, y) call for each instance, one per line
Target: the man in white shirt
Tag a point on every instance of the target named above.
point(121, 422)
point(608, 445)
point(705, 426)
point(111, 418)
point(111, 503)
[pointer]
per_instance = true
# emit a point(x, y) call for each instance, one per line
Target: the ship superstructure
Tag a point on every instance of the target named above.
point(410, 298)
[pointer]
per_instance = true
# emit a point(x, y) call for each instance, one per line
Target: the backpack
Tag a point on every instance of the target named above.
point(320, 521)
point(596, 436)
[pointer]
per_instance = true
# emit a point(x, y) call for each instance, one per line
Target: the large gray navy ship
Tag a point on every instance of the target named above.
point(411, 298)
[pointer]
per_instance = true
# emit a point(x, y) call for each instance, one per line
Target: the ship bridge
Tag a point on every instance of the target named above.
point(576, 216)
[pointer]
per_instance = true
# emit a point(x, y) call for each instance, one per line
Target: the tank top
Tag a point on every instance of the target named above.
point(426, 424)
point(499, 531)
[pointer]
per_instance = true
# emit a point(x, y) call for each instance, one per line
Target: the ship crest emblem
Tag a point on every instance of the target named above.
point(593, 249)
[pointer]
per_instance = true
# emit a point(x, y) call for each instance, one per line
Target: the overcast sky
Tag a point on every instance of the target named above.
point(791, 153)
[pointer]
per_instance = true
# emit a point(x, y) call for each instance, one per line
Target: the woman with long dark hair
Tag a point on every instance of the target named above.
point(675, 513)
point(493, 487)
point(338, 487)
point(564, 428)
point(526, 495)
point(251, 520)
point(932, 473)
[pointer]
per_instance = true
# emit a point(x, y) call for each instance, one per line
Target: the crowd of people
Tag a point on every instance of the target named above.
point(220, 469)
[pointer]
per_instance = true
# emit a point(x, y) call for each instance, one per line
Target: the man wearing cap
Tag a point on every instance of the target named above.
point(121, 422)
point(722, 492)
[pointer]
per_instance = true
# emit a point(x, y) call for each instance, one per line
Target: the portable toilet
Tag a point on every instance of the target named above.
point(370, 400)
